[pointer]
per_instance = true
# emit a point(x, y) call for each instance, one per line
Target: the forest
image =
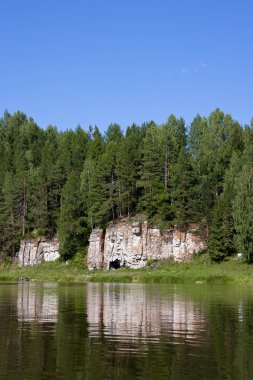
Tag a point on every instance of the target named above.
point(68, 182)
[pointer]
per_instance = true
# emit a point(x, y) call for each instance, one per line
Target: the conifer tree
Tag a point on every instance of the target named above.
point(72, 227)
point(221, 241)
point(183, 190)
point(127, 169)
point(110, 184)
point(92, 193)
point(151, 172)
point(10, 231)
point(243, 202)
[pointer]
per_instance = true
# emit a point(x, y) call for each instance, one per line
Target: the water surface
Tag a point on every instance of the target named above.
point(125, 331)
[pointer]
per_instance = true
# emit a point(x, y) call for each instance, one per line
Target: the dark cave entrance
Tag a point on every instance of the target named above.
point(114, 264)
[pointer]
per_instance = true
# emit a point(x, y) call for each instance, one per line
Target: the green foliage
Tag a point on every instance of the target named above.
point(221, 241)
point(92, 193)
point(127, 170)
point(69, 182)
point(150, 178)
point(183, 190)
point(212, 142)
point(79, 260)
point(10, 229)
point(72, 227)
point(243, 208)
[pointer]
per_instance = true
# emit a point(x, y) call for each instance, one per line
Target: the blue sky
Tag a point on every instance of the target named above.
point(93, 62)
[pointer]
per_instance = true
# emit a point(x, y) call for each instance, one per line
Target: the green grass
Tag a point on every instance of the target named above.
point(200, 270)
point(51, 271)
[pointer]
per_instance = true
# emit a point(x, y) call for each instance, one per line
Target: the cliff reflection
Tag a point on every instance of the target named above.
point(127, 312)
point(37, 303)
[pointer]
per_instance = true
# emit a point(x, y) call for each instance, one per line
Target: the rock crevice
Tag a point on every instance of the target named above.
point(130, 245)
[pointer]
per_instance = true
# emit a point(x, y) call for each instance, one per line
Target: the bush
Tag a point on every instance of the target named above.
point(79, 260)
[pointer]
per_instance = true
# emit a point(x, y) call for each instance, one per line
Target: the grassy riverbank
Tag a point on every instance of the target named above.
point(197, 271)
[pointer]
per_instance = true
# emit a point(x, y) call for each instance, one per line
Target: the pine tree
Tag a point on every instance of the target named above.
point(72, 227)
point(92, 193)
point(127, 170)
point(96, 144)
point(10, 231)
point(243, 203)
point(212, 142)
point(151, 172)
point(110, 184)
point(183, 190)
point(221, 241)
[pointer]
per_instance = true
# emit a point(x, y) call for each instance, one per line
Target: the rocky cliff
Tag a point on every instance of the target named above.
point(34, 251)
point(127, 244)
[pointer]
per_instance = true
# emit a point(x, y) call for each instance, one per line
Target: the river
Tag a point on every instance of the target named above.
point(125, 331)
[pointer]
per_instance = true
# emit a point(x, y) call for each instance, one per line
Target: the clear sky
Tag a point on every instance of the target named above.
point(87, 62)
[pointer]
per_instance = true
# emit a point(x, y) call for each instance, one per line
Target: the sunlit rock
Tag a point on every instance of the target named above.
point(35, 251)
point(130, 245)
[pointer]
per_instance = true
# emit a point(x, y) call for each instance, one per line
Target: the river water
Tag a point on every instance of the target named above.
point(125, 331)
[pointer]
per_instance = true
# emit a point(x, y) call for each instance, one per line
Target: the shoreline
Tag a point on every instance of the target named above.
point(231, 272)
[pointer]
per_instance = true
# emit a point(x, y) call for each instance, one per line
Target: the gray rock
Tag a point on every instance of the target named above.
point(154, 265)
point(132, 244)
point(34, 251)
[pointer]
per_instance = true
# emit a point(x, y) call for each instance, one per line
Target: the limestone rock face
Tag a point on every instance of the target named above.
point(34, 251)
point(96, 247)
point(130, 245)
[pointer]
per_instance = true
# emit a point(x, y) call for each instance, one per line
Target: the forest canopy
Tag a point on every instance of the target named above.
point(68, 182)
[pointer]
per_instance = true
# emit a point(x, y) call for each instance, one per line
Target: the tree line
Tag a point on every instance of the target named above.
point(68, 182)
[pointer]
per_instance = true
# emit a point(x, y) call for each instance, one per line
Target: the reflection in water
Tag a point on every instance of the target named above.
point(126, 313)
point(240, 311)
point(125, 331)
point(37, 303)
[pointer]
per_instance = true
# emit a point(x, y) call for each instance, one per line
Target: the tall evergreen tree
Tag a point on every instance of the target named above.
point(10, 231)
point(72, 227)
point(221, 241)
point(243, 202)
point(127, 170)
point(183, 190)
point(151, 171)
point(92, 193)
